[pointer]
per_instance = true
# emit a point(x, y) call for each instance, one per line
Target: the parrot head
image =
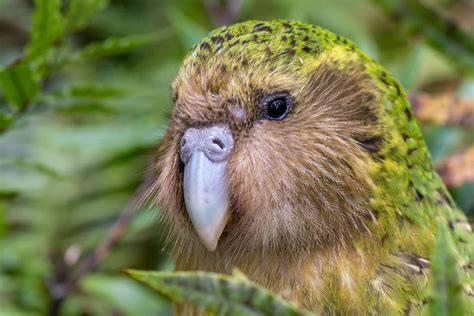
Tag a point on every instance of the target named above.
point(276, 136)
point(296, 158)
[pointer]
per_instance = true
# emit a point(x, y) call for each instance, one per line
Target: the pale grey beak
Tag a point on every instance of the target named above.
point(205, 152)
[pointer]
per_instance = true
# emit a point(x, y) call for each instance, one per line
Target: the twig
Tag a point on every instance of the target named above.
point(59, 289)
point(223, 14)
point(60, 272)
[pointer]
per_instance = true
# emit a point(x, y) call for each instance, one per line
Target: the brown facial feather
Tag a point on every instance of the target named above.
point(295, 185)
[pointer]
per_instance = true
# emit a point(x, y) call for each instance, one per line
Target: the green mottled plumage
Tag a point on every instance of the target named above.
point(386, 264)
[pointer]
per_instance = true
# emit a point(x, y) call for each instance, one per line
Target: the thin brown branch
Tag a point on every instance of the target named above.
point(60, 289)
point(443, 109)
point(60, 272)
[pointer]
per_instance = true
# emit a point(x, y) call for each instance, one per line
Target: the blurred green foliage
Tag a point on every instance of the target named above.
point(445, 296)
point(84, 99)
point(217, 294)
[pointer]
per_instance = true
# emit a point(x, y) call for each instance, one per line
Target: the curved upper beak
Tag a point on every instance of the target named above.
point(205, 152)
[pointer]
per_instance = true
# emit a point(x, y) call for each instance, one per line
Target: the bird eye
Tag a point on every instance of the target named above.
point(275, 107)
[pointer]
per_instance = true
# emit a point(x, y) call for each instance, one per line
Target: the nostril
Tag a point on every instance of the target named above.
point(218, 142)
point(215, 142)
point(183, 141)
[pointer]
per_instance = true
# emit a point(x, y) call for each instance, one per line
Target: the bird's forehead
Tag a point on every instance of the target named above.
point(278, 42)
point(210, 93)
point(224, 78)
point(256, 55)
point(230, 70)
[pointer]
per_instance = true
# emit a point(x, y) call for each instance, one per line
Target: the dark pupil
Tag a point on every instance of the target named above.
point(277, 108)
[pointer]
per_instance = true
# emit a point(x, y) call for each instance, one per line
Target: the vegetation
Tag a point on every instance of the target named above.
point(85, 98)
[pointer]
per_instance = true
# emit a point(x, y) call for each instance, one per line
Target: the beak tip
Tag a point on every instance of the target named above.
point(210, 246)
point(209, 239)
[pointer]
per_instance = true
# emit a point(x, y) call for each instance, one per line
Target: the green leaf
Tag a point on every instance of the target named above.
point(114, 46)
point(90, 91)
point(30, 164)
point(215, 293)
point(79, 12)
point(446, 295)
point(18, 84)
point(5, 121)
point(83, 99)
point(122, 293)
point(3, 221)
point(84, 108)
point(47, 28)
point(439, 32)
point(3, 3)
point(188, 31)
